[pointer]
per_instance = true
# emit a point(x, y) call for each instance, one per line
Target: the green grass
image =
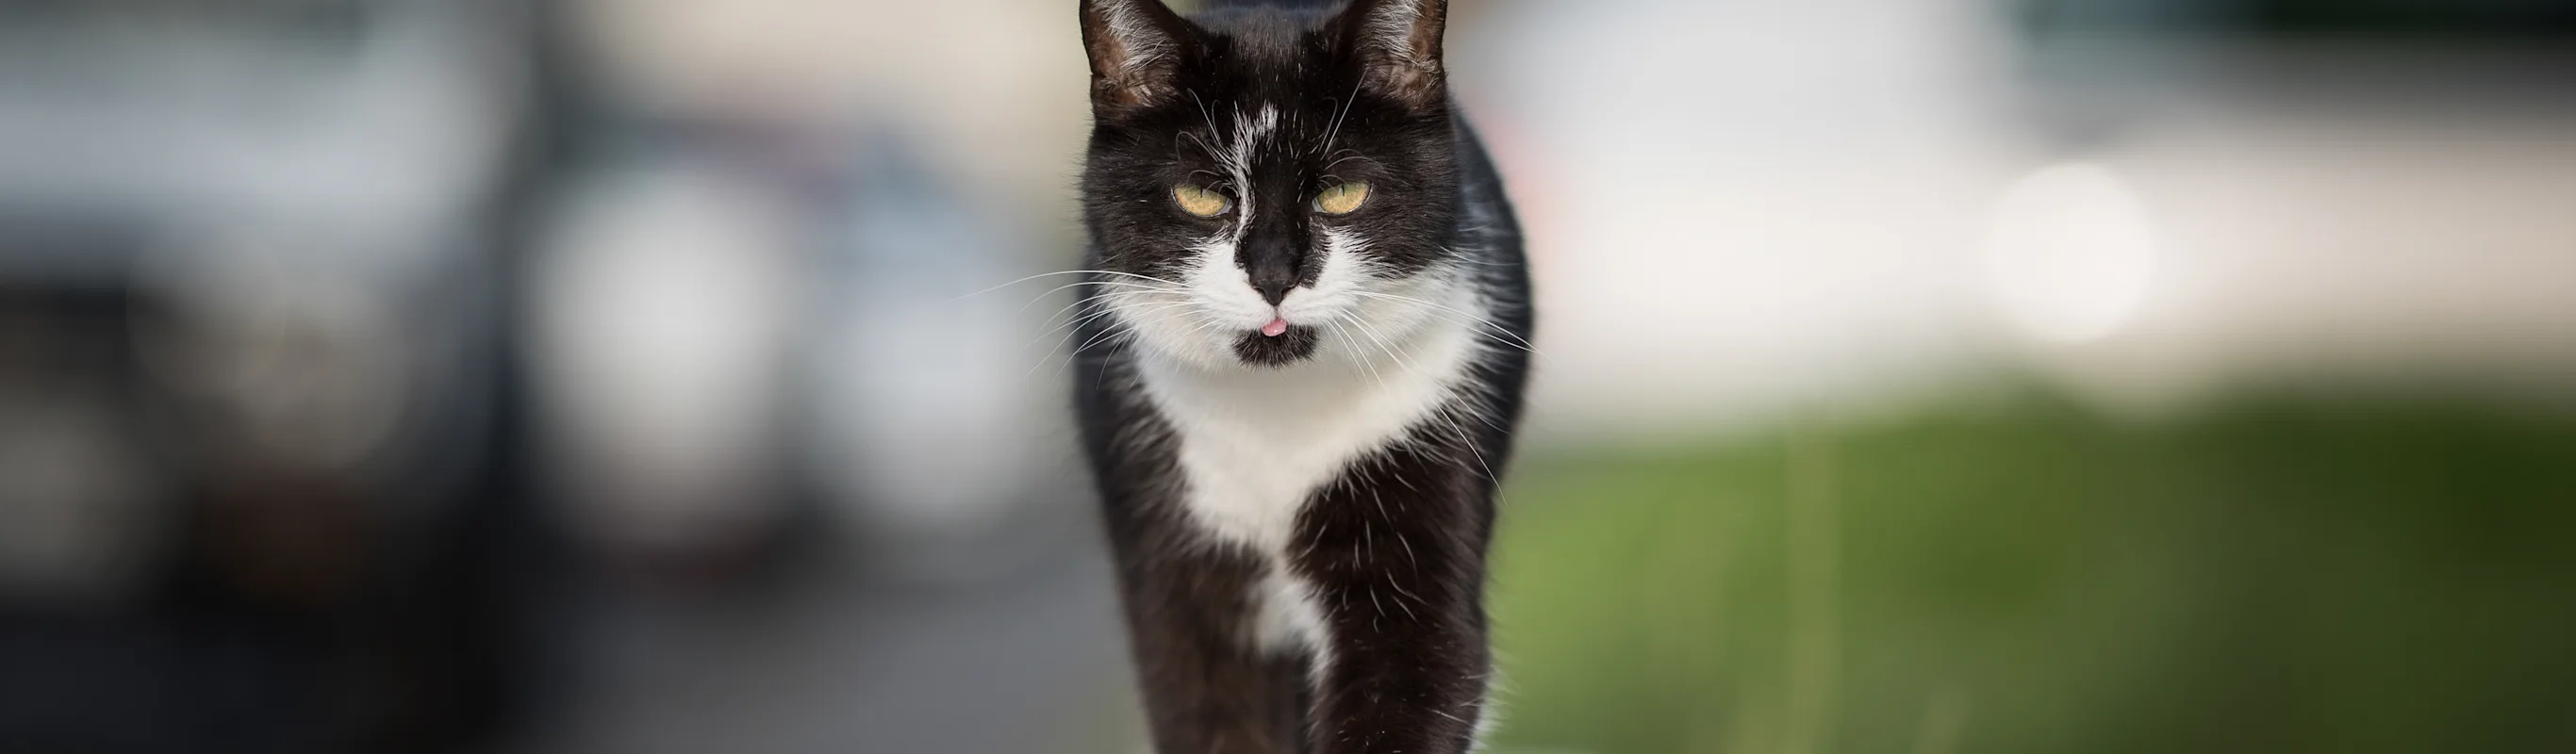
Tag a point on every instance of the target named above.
point(2293, 574)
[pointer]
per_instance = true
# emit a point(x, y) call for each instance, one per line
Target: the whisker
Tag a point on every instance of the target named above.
point(1336, 130)
point(1076, 353)
point(1069, 306)
point(1116, 332)
point(1382, 343)
point(1523, 343)
point(1487, 331)
point(1066, 272)
point(1063, 334)
point(1042, 296)
point(1355, 155)
point(1077, 322)
point(1211, 151)
point(1071, 329)
point(1158, 309)
point(1365, 361)
point(1465, 441)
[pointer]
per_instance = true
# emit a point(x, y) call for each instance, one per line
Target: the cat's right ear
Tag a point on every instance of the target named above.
point(1135, 48)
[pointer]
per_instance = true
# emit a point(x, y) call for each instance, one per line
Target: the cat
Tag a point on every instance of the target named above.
point(1306, 325)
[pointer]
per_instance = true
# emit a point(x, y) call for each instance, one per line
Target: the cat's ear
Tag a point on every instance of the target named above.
point(1397, 43)
point(1135, 48)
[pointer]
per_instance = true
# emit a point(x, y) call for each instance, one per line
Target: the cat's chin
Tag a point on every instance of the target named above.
point(1295, 345)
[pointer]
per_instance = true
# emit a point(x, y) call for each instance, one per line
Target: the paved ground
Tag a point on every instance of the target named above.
point(840, 662)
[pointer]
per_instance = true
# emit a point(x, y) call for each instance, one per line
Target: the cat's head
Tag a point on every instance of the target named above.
point(1263, 183)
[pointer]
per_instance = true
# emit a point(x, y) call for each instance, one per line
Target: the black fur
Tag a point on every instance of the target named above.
point(1298, 344)
point(1395, 547)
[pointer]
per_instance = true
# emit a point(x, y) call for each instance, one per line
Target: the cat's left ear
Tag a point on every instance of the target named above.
point(1397, 43)
point(1136, 48)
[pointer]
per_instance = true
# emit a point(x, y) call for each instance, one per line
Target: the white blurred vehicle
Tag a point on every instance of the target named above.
point(736, 337)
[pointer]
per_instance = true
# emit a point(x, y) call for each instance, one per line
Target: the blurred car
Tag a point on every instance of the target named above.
point(250, 371)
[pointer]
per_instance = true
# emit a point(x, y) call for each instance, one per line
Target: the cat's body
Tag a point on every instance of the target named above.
point(1309, 324)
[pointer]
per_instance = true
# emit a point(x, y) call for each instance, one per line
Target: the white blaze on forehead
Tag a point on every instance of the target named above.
point(1263, 125)
point(1248, 133)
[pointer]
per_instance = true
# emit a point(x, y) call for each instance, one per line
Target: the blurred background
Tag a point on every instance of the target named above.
point(1917, 375)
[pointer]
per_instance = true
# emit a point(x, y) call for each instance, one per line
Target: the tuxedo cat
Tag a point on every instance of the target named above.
point(1307, 328)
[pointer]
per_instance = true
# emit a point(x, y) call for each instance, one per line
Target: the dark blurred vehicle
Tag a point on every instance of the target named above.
point(256, 427)
point(2105, 63)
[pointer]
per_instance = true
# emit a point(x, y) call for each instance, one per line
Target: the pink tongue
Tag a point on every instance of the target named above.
point(1276, 328)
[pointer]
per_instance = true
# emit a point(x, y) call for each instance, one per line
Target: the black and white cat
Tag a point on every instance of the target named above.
point(1312, 323)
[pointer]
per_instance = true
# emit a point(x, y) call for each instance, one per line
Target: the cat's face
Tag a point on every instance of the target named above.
point(1266, 184)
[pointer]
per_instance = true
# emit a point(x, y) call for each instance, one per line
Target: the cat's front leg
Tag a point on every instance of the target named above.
point(1397, 567)
point(1207, 688)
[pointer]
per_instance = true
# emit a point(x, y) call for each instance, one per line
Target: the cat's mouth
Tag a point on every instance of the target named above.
point(1288, 345)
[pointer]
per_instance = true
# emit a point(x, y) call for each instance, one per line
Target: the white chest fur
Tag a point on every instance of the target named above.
point(1256, 444)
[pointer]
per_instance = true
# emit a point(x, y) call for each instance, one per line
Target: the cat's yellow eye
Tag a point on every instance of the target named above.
point(1201, 201)
point(1342, 198)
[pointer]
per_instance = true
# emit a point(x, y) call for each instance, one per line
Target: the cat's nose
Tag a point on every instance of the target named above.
point(1274, 266)
point(1274, 283)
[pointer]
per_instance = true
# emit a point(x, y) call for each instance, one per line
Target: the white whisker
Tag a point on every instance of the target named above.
point(1077, 322)
point(1042, 296)
point(1500, 330)
point(1365, 361)
point(1065, 272)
